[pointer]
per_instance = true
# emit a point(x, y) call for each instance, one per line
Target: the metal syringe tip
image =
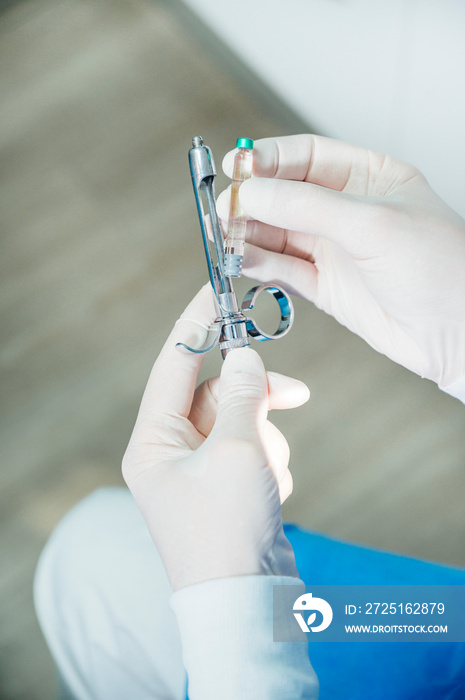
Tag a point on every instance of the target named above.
point(197, 141)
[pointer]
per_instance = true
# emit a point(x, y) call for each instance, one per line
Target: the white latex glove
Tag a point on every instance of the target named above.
point(204, 467)
point(366, 239)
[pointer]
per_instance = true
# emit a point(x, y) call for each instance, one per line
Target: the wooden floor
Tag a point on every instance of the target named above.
point(101, 250)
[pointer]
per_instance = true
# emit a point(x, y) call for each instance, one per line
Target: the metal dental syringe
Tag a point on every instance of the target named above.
point(231, 329)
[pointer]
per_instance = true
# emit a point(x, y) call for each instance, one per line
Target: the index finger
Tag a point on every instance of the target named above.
point(172, 381)
point(318, 160)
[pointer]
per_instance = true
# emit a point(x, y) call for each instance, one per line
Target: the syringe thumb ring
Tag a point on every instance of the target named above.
point(285, 306)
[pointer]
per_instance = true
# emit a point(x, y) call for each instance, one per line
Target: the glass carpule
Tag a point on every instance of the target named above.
point(237, 222)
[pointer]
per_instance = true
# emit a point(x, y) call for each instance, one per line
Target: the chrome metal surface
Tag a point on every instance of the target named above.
point(285, 307)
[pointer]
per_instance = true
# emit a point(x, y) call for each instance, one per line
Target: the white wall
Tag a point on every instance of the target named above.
point(388, 74)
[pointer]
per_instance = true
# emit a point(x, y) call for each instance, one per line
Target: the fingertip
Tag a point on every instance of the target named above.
point(286, 392)
point(295, 275)
point(228, 163)
point(222, 204)
point(255, 191)
point(265, 154)
point(302, 391)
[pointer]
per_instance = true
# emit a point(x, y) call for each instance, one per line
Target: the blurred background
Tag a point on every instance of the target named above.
point(101, 251)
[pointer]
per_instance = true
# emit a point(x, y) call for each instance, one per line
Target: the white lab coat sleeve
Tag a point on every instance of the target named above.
point(457, 389)
point(226, 630)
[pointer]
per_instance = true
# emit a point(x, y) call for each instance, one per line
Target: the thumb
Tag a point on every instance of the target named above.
point(242, 396)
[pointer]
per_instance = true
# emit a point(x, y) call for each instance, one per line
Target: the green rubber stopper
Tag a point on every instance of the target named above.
point(244, 143)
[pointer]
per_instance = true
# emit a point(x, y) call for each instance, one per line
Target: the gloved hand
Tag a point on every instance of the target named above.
point(205, 467)
point(366, 239)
